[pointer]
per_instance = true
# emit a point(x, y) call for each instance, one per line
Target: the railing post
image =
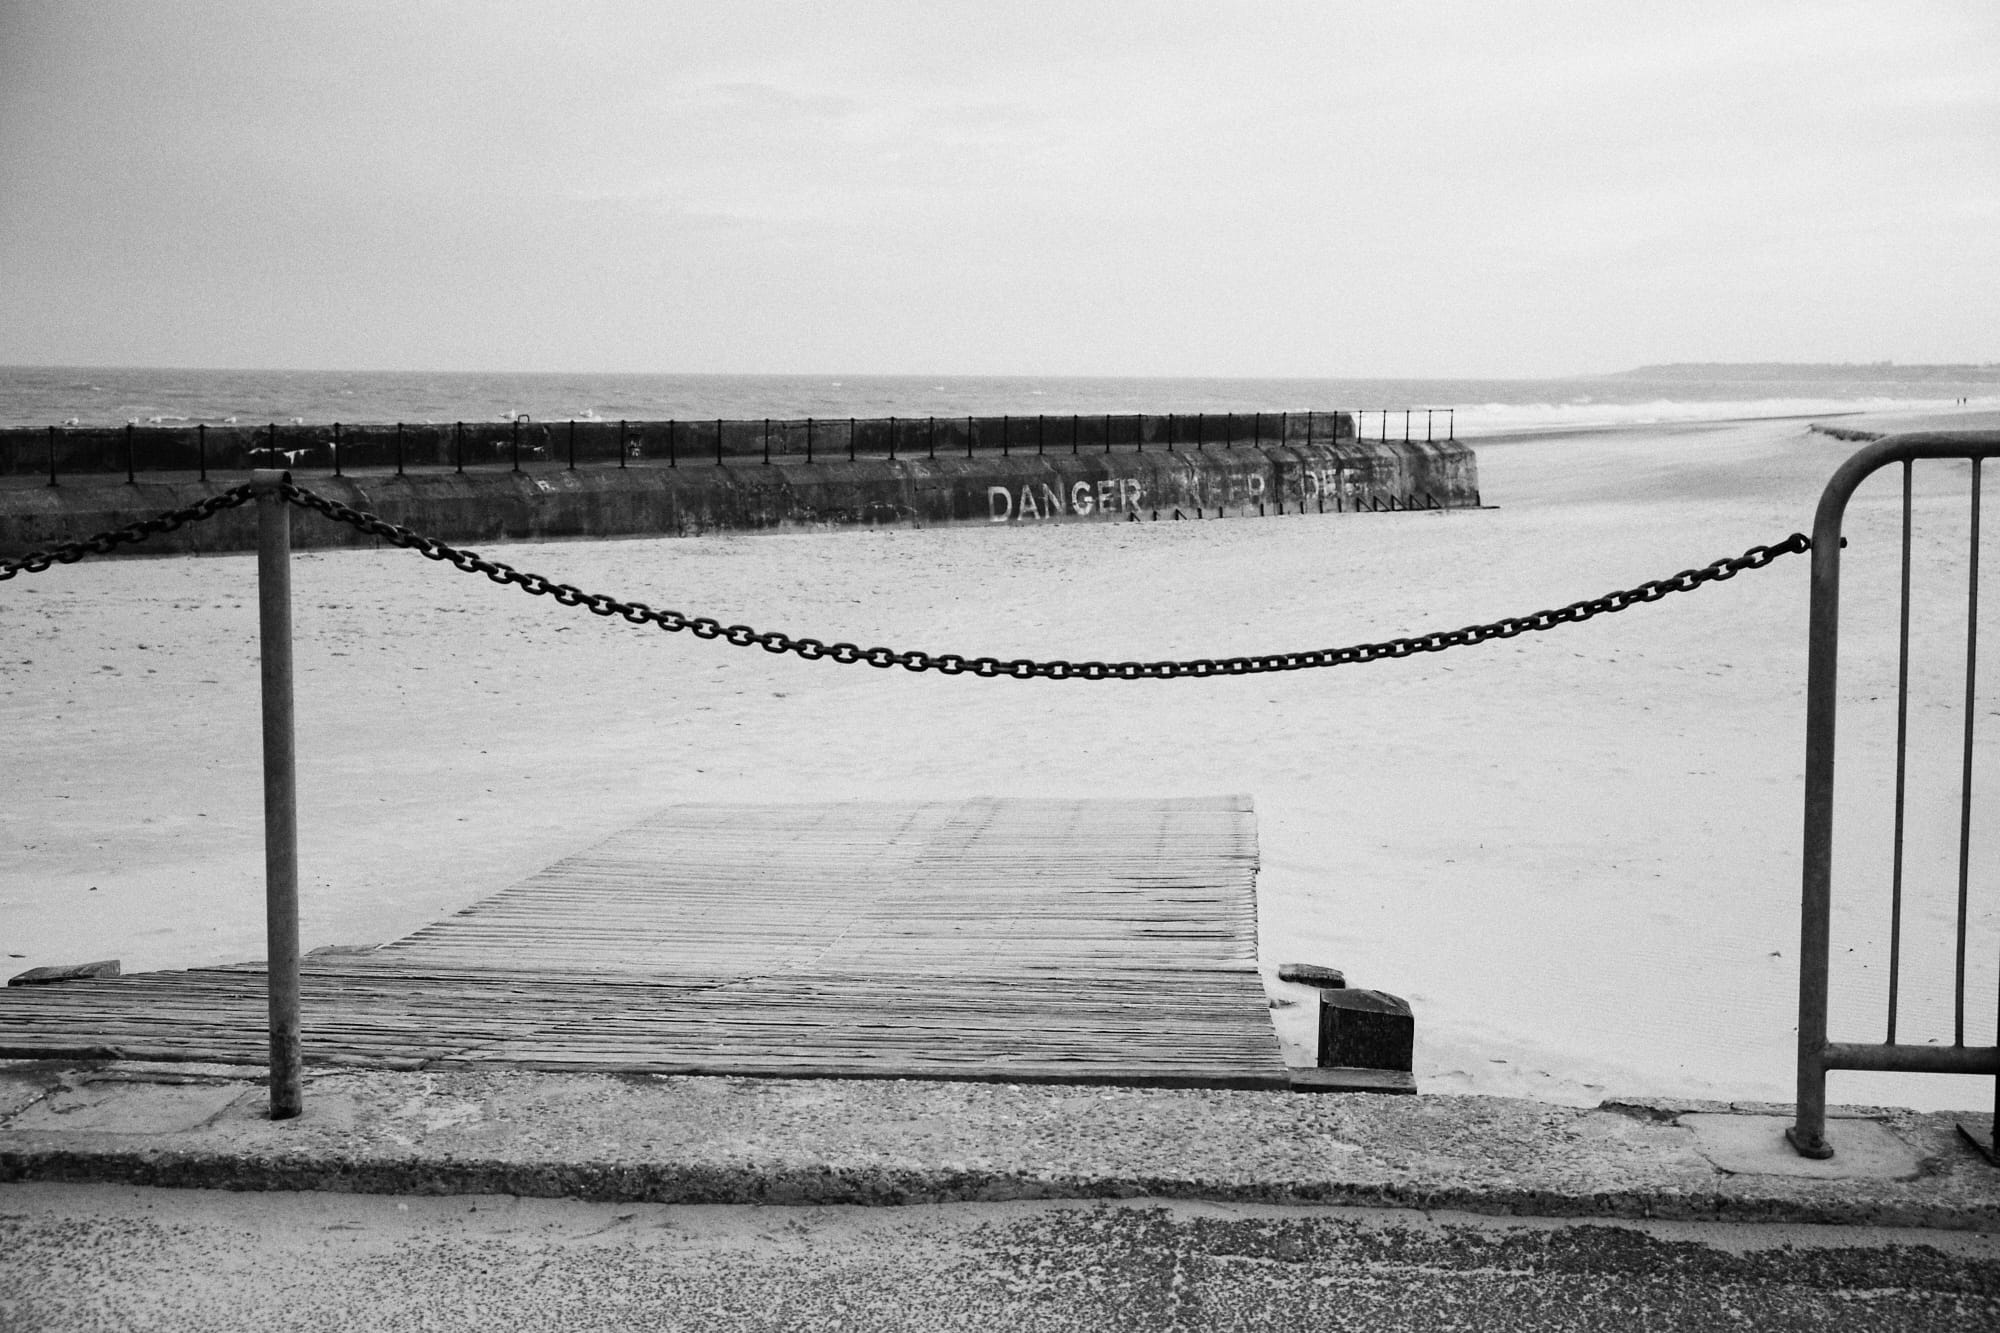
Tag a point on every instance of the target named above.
point(281, 822)
point(52, 455)
point(718, 441)
point(458, 446)
point(621, 442)
point(809, 439)
point(201, 449)
point(514, 443)
point(892, 439)
point(767, 441)
point(336, 451)
point(572, 444)
point(399, 448)
point(128, 452)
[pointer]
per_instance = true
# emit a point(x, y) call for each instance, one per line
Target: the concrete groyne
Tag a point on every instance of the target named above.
point(547, 499)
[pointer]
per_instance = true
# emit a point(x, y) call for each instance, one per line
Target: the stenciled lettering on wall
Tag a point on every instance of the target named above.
point(1043, 500)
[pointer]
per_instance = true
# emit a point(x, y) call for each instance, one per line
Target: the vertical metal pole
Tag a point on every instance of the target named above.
point(1284, 428)
point(809, 439)
point(1006, 435)
point(1451, 423)
point(1075, 432)
point(1965, 782)
point(1170, 432)
point(1808, 1132)
point(622, 451)
point(128, 451)
point(718, 441)
point(1139, 432)
point(767, 441)
point(968, 437)
point(1902, 752)
point(336, 451)
point(1309, 428)
point(673, 443)
point(399, 448)
point(1427, 425)
point(281, 824)
point(850, 439)
point(201, 449)
point(892, 439)
point(515, 443)
point(1406, 425)
point(572, 444)
point(52, 455)
point(1038, 433)
point(1107, 432)
point(931, 436)
point(458, 446)
point(1385, 425)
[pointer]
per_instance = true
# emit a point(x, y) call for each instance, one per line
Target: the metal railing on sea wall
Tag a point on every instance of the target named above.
point(137, 449)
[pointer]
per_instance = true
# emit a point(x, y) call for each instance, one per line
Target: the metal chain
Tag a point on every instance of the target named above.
point(952, 664)
point(34, 562)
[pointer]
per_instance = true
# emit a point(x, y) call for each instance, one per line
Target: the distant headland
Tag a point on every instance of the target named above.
point(1755, 372)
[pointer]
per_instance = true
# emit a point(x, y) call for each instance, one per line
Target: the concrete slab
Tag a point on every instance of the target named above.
point(1754, 1145)
point(702, 1140)
point(127, 1107)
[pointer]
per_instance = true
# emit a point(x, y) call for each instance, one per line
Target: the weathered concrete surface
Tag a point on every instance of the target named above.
point(116, 1257)
point(747, 496)
point(720, 1140)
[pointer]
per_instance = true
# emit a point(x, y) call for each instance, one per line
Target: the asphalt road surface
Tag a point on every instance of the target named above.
point(121, 1257)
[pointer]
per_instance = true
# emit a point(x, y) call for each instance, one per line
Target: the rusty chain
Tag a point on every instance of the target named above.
point(950, 664)
point(34, 562)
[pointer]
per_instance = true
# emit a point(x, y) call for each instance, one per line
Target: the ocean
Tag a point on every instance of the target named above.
point(37, 396)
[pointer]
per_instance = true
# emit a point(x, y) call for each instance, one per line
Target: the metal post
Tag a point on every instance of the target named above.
point(621, 440)
point(1074, 431)
point(1006, 434)
point(673, 445)
point(850, 439)
point(1965, 784)
point(1385, 425)
point(932, 437)
point(809, 439)
point(128, 451)
point(572, 444)
point(1451, 423)
point(1406, 425)
point(1427, 425)
point(458, 446)
point(336, 451)
point(1170, 432)
point(515, 444)
point(399, 448)
point(1038, 434)
point(201, 449)
point(281, 823)
point(767, 441)
point(1107, 432)
point(52, 455)
point(1139, 432)
point(892, 439)
point(968, 437)
point(718, 441)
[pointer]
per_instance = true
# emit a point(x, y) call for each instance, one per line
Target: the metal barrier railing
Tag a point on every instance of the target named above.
point(1817, 1054)
point(342, 447)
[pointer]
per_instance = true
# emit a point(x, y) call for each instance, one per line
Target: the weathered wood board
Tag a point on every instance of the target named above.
point(1110, 940)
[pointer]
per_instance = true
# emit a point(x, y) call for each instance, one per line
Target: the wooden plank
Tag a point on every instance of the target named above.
point(1099, 941)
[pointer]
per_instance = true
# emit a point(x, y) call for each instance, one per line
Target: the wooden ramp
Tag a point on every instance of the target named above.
point(1032, 940)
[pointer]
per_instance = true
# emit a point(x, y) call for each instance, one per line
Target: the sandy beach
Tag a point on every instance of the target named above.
point(1575, 853)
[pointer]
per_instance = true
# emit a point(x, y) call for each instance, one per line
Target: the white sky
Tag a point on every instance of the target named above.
point(986, 188)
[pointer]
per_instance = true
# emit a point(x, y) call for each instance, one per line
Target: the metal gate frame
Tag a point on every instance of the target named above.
point(1817, 1054)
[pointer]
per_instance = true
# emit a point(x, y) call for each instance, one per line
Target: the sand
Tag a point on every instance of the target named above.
point(1575, 853)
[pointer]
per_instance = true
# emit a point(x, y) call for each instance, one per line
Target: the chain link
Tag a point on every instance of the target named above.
point(951, 664)
point(34, 562)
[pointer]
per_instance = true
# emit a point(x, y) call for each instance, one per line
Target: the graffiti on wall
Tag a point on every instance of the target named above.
point(1116, 497)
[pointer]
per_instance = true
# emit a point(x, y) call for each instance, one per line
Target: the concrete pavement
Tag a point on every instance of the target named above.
point(525, 1199)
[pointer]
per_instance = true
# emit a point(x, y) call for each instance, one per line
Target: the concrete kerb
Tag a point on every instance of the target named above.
point(680, 1139)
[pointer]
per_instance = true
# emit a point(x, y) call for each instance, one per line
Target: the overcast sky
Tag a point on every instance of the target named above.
point(986, 188)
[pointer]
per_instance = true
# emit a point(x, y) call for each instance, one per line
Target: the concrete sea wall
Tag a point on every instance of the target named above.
point(551, 501)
